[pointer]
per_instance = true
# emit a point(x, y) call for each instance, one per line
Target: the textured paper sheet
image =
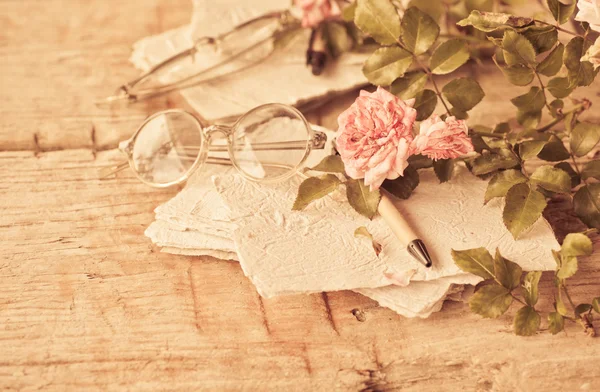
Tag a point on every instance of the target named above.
point(266, 82)
point(314, 250)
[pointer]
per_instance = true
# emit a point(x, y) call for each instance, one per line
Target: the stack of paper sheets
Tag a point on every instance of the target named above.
point(290, 252)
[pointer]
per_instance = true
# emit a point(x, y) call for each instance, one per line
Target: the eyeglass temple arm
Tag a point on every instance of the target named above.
point(317, 143)
point(125, 90)
point(181, 55)
point(110, 171)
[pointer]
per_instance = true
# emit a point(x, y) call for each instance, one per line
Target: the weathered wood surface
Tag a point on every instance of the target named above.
point(86, 303)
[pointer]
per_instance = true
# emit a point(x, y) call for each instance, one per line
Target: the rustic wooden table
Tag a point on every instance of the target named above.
point(87, 303)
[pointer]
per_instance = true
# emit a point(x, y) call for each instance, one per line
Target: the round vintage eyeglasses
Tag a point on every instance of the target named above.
point(268, 143)
point(209, 58)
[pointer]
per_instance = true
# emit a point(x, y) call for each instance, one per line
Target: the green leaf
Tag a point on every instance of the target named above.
point(314, 188)
point(582, 308)
point(542, 38)
point(576, 244)
point(379, 19)
point(591, 170)
point(459, 114)
point(552, 179)
point(476, 261)
point(463, 93)
point(518, 74)
point(490, 301)
point(556, 108)
point(561, 12)
point(586, 204)
point(449, 56)
point(581, 73)
point(568, 267)
point(565, 166)
point(527, 321)
point(560, 87)
point(524, 206)
point(596, 304)
point(507, 272)
point(560, 304)
point(584, 137)
point(531, 148)
point(533, 101)
point(419, 161)
point(433, 8)
point(489, 162)
point(337, 37)
point(481, 5)
point(519, 48)
point(553, 62)
point(330, 164)
point(361, 198)
point(410, 85)
point(348, 12)
point(530, 286)
point(554, 151)
point(419, 31)
point(502, 182)
point(556, 323)
point(403, 186)
point(492, 21)
point(443, 169)
point(584, 76)
point(386, 65)
point(502, 127)
point(364, 232)
point(529, 120)
point(425, 104)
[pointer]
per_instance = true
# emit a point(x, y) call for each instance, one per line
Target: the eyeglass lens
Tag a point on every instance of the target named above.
point(166, 147)
point(270, 142)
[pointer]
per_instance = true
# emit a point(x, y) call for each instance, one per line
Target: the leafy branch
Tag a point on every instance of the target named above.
point(502, 278)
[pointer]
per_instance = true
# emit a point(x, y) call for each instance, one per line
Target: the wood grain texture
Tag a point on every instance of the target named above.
point(86, 303)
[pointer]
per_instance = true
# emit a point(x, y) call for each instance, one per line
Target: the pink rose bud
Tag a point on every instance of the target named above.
point(439, 139)
point(374, 136)
point(589, 11)
point(316, 11)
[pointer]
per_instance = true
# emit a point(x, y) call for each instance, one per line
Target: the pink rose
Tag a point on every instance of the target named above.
point(589, 11)
point(443, 140)
point(593, 54)
point(374, 136)
point(316, 11)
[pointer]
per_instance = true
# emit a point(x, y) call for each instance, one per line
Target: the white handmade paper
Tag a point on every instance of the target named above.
point(284, 251)
point(283, 77)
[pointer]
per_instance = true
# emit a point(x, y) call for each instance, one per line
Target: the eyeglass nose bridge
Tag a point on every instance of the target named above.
point(215, 129)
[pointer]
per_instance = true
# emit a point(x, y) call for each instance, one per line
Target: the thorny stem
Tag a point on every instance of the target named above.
point(568, 296)
point(429, 75)
point(517, 299)
point(543, 90)
point(468, 38)
point(557, 120)
point(560, 29)
point(437, 90)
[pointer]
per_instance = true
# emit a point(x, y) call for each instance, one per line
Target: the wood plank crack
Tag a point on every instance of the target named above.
point(328, 312)
point(261, 306)
point(194, 301)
